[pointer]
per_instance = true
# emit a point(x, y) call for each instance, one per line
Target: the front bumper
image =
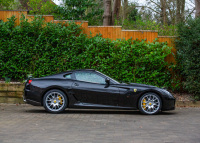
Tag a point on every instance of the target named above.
point(169, 104)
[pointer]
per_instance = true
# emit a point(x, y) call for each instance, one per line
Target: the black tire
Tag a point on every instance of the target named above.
point(55, 101)
point(154, 103)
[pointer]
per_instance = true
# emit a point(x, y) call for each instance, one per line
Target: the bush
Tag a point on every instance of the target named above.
point(188, 54)
point(163, 30)
point(44, 50)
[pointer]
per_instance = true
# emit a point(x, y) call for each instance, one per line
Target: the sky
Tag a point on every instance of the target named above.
point(57, 2)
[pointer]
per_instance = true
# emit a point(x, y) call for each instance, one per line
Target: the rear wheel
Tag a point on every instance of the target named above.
point(150, 103)
point(55, 101)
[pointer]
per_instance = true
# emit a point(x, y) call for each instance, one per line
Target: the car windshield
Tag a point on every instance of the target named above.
point(116, 82)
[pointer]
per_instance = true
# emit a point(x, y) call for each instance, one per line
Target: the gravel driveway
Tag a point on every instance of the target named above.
point(29, 124)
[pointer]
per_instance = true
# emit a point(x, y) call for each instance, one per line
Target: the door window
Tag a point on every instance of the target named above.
point(68, 76)
point(90, 77)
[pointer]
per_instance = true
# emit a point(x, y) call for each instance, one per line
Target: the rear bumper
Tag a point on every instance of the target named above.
point(28, 98)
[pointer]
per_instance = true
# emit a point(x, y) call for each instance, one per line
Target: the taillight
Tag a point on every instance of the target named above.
point(29, 81)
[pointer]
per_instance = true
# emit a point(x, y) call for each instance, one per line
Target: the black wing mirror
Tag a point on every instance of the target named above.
point(107, 80)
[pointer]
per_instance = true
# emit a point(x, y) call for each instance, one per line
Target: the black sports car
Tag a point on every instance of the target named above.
point(91, 89)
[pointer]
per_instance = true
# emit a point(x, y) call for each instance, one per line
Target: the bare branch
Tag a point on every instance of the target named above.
point(192, 1)
point(150, 9)
point(155, 3)
point(192, 11)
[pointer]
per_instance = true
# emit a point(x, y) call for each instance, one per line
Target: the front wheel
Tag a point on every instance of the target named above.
point(55, 101)
point(149, 103)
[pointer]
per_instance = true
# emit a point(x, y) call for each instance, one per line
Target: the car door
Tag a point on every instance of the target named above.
point(90, 87)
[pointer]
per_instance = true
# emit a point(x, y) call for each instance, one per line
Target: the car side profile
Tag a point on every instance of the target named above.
point(89, 88)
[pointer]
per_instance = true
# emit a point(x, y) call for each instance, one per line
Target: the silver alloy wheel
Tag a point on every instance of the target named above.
point(150, 103)
point(55, 101)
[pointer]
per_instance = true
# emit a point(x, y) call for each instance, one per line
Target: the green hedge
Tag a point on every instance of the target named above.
point(44, 50)
point(188, 53)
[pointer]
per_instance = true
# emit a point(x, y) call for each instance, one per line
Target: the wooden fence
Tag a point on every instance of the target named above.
point(112, 32)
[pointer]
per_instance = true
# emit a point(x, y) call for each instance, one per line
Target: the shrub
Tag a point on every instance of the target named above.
point(188, 54)
point(163, 30)
point(44, 50)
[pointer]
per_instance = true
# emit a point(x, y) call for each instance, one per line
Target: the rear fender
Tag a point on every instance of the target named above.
point(54, 87)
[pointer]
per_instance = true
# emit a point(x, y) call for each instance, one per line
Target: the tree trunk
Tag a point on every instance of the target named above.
point(182, 9)
point(125, 6)
point(178, 11)
point(107, 13)
point(171, 7)
point(163, 11)
point(116, 10)
point(197, 7)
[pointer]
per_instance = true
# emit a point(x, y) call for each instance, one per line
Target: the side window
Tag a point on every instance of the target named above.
point(89, 77)
point(68, 76)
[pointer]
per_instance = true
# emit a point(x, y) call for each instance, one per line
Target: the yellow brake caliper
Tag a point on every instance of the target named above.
point(144, 104)
point(60, 98)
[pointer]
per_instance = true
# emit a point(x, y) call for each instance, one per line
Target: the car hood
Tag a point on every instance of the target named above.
point(142, 85)
point(135, 85)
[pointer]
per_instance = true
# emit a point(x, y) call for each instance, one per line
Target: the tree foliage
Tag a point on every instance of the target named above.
point(8, 4)
point(188, 46)
point(89, 10)
point(94, 14)
point(41, 7)
point(134, 15)
point(74, 9)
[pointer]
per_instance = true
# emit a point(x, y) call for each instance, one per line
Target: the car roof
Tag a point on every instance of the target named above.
point(70, 71)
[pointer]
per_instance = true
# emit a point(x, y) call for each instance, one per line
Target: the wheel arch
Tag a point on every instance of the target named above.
point(56, 88)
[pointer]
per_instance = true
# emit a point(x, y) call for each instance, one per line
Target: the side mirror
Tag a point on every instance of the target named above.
point(107, 80)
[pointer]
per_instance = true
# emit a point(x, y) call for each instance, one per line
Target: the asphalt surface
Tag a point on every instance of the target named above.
point(30, 124)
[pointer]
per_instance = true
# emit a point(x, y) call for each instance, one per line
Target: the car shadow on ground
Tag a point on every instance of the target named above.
point(99, 111)
point(128, 112)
